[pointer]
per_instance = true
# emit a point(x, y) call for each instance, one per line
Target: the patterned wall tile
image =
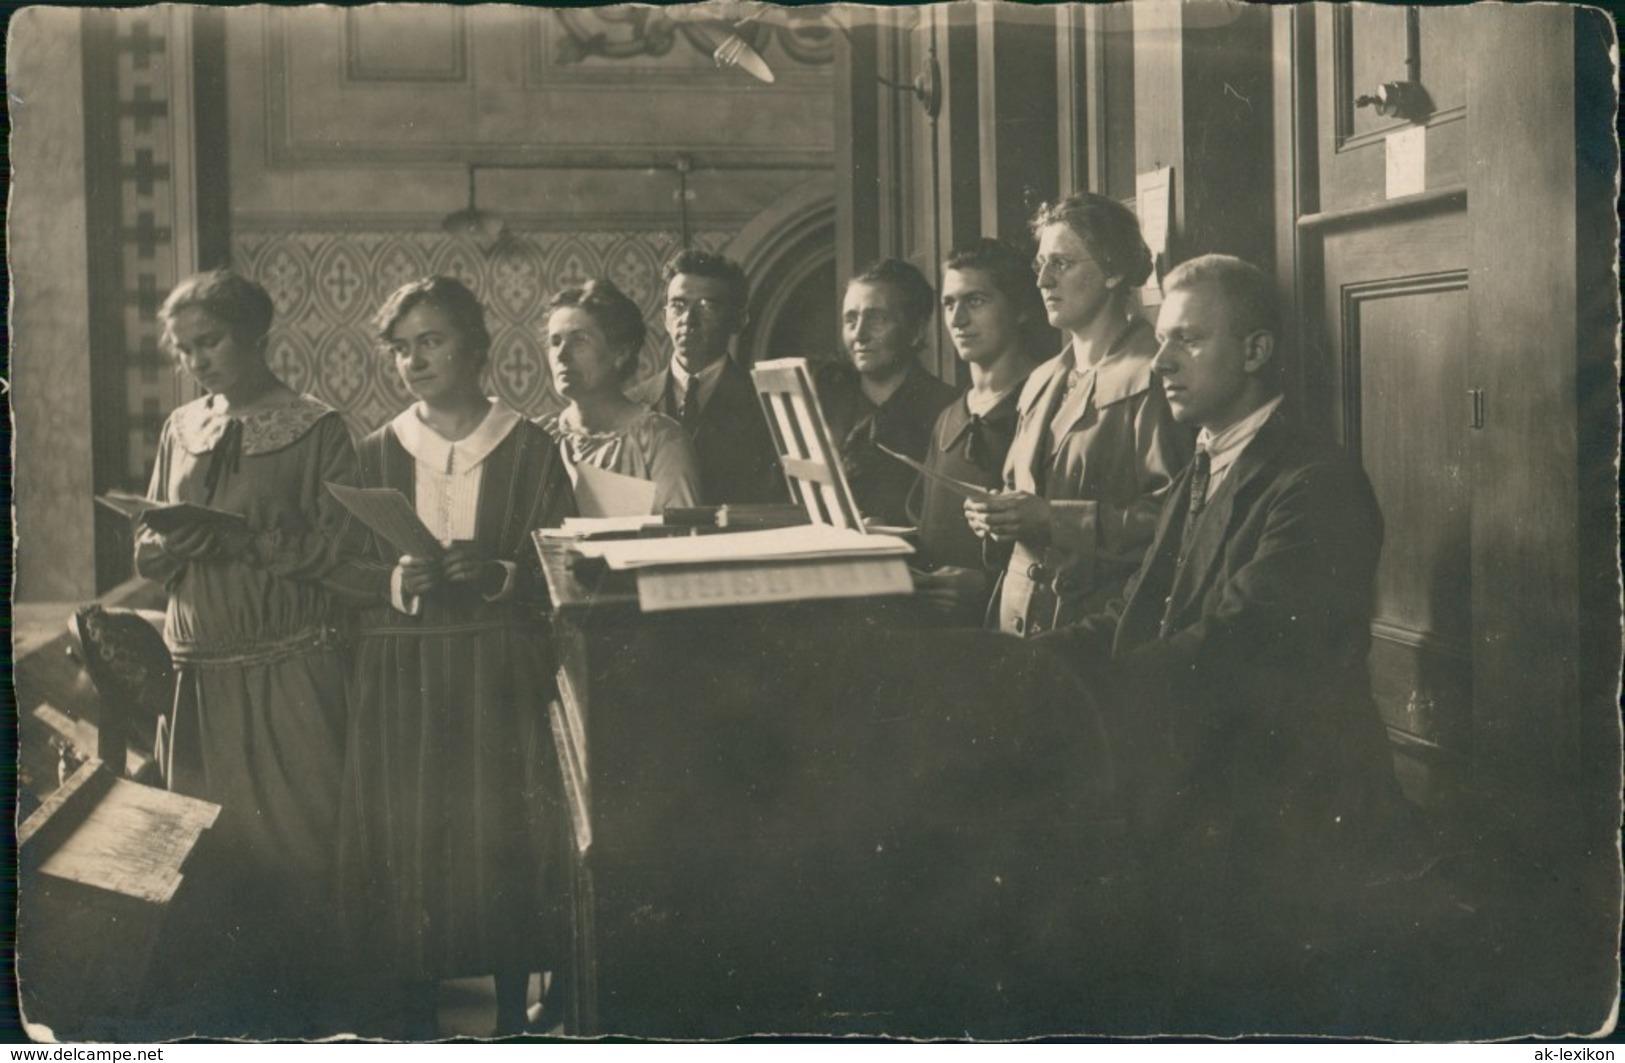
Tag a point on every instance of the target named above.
point(327, 286)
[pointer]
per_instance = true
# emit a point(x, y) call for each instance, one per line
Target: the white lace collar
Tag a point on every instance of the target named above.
point(199, 425)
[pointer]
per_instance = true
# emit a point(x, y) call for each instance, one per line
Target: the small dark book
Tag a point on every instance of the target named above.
point(167, 517)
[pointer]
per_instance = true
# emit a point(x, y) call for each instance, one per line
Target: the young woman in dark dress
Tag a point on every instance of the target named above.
point(990, 308)
point(451, 852)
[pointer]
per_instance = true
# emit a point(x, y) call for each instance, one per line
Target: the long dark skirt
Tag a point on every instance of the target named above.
point(450, 858)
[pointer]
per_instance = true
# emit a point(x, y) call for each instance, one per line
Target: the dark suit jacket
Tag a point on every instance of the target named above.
point(738, 459)
point(1242, 701)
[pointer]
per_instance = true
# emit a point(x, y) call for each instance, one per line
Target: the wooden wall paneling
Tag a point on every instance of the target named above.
point(1521, 190)
point(1228, 171)
point(185, 161)
point(1396, 306)
point(212, 138)
point(1401, 345)
point(1076, 73)
point(1202, 106)
point(958, 136)
point(1298, 270)
point(858, 199)
point(1112, 171)
point(899, 122)
point(104, 196)
point(955, 186)
point(1159, 101)
point(1018, 113)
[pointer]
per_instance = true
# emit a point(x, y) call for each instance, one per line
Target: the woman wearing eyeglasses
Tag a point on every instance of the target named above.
point(451, 842)
point(1095, 447)
point(593, 337)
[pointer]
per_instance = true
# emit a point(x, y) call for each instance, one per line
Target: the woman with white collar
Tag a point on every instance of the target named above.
point(450, 844)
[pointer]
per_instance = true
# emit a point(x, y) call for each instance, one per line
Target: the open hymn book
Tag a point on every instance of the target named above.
point(166, 517)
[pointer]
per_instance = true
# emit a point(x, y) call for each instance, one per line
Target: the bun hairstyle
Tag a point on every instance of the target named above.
point(1108, 229)
point(614, 312)
point(230, 298)
point(446, 294)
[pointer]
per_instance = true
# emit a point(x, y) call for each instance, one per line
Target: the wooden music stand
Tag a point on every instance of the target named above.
point(811, 463)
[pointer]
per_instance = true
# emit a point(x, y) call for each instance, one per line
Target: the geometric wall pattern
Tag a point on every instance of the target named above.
point(147, 224)
point(328, 284)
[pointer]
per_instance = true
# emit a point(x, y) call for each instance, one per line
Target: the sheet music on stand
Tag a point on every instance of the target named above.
point(833, 556)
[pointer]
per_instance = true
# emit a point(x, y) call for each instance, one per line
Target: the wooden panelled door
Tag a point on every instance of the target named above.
point(1429, 234)
point(1387, 233)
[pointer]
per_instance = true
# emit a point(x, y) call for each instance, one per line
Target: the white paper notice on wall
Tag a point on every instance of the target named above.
point(1407, 152)
point(1153, 202)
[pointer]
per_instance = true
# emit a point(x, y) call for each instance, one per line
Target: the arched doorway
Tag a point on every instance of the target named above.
point(788, 252)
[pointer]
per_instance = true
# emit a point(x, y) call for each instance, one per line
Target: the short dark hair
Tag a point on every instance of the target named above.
point(1009, 269)
point(614, 311)
point(231, 298)
point(919, 298)
point(447, 294)
point(1247, 291)
point(1108, 229)
point(698, 263)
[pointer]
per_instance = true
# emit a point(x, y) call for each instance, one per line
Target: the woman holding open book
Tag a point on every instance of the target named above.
point(450, 856)
point(258, 719)
point(593, 337)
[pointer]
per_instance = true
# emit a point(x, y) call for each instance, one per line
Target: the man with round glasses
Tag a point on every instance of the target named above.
point(707, 391)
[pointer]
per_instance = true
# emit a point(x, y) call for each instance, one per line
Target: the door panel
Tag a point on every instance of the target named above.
point(1413, 442)
point(1397, 318)
point(1374, 39)
point(1359, 47)
point(1396, 300)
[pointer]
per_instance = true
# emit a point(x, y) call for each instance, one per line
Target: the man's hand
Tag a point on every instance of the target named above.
point(1011, 516)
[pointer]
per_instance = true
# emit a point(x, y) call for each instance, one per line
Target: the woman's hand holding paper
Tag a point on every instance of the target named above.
point(1011, 516)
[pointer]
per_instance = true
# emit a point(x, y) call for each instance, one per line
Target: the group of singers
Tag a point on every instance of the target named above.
point(374, 725)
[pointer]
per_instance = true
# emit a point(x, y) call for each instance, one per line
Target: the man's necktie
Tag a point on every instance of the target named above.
point(689, 414)
point(1201, 473)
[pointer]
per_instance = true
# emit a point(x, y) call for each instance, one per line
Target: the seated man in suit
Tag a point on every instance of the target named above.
point(1234, 668)
point(883, 397)
point(706, 391)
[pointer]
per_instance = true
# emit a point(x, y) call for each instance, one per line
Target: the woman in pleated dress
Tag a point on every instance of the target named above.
point(452, 832)
point(257, 726)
